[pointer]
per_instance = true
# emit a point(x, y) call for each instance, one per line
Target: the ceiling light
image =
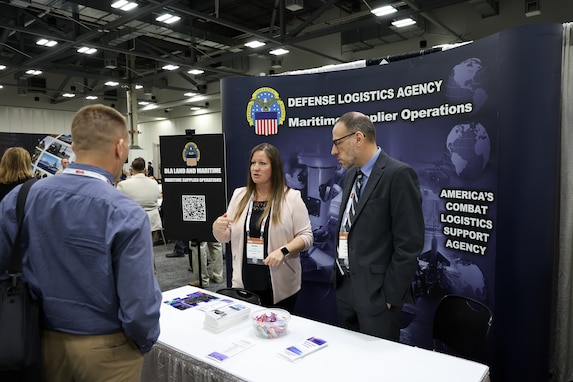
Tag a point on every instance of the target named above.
point(124, 5)
point(196, 71)
point(143, 103)
point(2, 67)
point(294, 5)
point(196, 99)
point(167, 18)
point(119, 3)
point(170, 67)
point(86, 50)
point(90, 97)
point(68, 95)
point(279, 51)
point(1, 86)
point(149, 107)
point(34, 72)
point(383, 11)
point(255, 44)
point(190, 94)
point(111, 83)
point(137, 87)
point(195, 108)
point(45, 42)
point(403, 22)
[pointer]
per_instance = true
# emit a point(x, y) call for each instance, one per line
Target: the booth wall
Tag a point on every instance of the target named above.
point(503, 149)
point(35, 121)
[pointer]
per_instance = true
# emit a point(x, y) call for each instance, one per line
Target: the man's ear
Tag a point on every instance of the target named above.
point(119, 147)
point(359, 137)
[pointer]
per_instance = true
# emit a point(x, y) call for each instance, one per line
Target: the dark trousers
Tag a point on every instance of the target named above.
point(181, 247)
point(385, 324)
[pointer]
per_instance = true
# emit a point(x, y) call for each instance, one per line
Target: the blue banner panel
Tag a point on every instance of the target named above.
point(528, 214)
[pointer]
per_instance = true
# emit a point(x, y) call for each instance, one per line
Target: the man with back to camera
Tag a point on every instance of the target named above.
point(100, 299)
point(145, 192)
point(380, 231)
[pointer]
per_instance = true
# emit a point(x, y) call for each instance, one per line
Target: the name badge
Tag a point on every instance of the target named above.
point(343, 249)
point(255, 250)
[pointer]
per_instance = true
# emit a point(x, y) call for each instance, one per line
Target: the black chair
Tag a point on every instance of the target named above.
point(241, 294)
point(461, 327)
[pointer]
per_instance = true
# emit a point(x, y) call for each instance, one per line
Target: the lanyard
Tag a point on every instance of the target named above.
point(248, 220)
point(88, 173)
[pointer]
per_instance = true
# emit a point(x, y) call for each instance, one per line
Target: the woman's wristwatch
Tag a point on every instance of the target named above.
point(285, 251)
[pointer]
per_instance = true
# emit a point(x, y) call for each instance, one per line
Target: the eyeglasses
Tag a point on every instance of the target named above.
point(335, 142)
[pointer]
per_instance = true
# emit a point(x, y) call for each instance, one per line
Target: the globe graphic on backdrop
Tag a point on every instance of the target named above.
point(468, 147)
point(467, 83)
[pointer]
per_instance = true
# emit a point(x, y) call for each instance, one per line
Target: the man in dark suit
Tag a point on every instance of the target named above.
point(380, 231)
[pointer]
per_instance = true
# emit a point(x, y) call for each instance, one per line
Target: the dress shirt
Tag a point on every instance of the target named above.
point(87, 254)
point(367, 169)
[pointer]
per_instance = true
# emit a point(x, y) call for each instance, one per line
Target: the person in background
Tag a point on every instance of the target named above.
point(100, 299)
point(124, 175)
point(15, 168)
point(144, 191)
point(180, 249)
point(380, 231)
point(268, 225)
point(64, 162)
point(211, 252)
point(150, 169)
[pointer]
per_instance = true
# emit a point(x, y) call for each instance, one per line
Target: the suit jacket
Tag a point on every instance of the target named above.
point(295, 222)
point(386, 236)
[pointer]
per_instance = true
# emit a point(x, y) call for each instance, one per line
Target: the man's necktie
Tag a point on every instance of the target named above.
point(354, 200)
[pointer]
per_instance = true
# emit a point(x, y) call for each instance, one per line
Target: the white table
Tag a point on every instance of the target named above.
point(180, 354)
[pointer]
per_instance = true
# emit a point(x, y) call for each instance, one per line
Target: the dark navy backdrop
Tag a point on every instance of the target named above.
point(469, 162)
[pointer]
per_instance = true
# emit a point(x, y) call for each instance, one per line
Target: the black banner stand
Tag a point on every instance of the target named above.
point(194, 188)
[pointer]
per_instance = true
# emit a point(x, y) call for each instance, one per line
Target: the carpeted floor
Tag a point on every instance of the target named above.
point(174, 272)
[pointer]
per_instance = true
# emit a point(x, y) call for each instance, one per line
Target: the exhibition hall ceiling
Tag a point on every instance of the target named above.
point(134, 47)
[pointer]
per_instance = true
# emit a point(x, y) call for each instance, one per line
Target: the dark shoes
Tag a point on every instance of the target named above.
point(175, 254)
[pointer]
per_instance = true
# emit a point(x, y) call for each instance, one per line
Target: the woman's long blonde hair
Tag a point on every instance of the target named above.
point(278, 184)
point(15, 166)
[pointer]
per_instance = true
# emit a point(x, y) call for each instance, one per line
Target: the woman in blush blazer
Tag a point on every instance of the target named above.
point(268, 225)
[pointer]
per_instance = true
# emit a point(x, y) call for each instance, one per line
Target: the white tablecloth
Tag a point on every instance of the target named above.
point(180, 354)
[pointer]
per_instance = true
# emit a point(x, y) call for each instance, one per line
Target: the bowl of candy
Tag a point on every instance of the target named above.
point(271, 322)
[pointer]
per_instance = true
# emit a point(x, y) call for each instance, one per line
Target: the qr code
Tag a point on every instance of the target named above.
point(194, 208)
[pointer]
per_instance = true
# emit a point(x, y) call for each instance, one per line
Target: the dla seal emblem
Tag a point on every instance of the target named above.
point(266, 111)
point(191, 154)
